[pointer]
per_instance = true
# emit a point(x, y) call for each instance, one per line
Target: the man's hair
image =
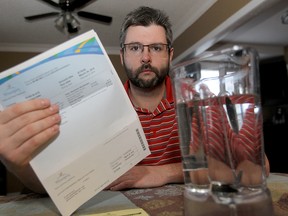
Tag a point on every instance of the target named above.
point(146, 16)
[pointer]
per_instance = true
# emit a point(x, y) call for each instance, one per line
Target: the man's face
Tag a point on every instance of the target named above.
point(148, 68)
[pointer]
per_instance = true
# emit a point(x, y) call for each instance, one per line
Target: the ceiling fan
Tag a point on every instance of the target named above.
point(66, 20)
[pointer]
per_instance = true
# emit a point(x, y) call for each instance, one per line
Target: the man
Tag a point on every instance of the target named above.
point(146, 53)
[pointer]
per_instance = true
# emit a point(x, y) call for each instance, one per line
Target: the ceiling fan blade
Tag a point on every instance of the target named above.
point(51, 3)
point(93, 16)
point(40, 16)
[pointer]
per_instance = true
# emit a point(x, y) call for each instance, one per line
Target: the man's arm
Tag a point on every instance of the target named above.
point(28, 177)
point(25, 128)
point(155, 176)
point(149, 176)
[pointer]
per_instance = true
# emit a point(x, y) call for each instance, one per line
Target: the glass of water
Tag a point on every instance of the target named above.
point(217, 96)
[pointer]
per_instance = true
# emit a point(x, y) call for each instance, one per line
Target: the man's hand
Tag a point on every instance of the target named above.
point(25, 128)
point(149, 176)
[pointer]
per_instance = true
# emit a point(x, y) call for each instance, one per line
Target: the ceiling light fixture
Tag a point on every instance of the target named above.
point(66, 21)
point(284, 18)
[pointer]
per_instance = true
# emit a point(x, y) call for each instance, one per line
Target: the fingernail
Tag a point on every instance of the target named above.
point(54, 108)
point(55, 128)
point(56, 118)
point(45, 102)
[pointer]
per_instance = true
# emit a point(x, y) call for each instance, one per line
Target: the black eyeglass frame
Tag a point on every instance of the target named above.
point(147, 45)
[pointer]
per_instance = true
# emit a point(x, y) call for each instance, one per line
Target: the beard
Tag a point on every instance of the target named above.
point(157, 80)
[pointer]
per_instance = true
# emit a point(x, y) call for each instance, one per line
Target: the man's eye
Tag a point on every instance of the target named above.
point(156, 48)
point(134, 47)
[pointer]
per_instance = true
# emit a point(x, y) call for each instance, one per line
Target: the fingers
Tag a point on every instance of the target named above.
point(25, 128)
point(19, 109)
point(133, 178)
point(121, 186)
point(32, 133)
point(124, 181)
point(26, 120)
point(22, 121)
point(22, 155)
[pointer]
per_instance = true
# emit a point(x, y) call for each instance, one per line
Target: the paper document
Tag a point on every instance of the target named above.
point(100, 134)
point(128, 212)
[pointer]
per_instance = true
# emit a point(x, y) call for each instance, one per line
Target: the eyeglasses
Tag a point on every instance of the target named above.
point(136, 49)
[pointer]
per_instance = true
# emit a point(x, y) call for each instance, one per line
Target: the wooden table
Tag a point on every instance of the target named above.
point(168, 200)
point(162, 201)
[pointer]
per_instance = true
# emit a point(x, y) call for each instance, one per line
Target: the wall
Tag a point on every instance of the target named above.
point(210, 20)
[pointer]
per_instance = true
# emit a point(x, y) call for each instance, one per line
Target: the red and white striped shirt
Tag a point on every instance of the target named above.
point(161, 130)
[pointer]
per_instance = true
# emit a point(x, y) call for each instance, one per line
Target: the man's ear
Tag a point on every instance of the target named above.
point(171, 53)
point(121, 56)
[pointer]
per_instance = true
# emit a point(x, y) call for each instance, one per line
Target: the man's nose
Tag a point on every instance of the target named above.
point(146, 55)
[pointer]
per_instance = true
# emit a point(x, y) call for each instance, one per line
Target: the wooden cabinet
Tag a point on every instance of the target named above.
point(2, 179)
point(274, 97)
point(276, 146)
